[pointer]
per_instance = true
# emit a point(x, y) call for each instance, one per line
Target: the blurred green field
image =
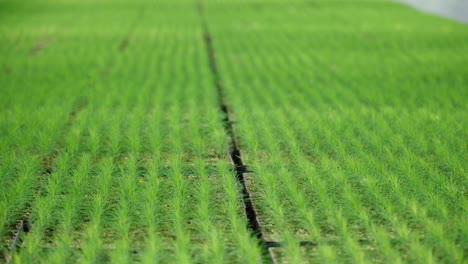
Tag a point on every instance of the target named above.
point(351, 117)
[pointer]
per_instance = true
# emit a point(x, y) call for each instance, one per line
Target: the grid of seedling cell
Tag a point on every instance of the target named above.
point(353, 131)
point(231, 131)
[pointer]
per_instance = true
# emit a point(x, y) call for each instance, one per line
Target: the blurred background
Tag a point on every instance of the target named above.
point(457, 9)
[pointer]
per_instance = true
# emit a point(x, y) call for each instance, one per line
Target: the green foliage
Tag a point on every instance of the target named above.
point(351, 116)
point(115, 149)
point(353, 119)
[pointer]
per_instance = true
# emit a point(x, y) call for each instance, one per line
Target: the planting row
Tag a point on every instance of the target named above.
point(114, 146)
point(353, 121)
